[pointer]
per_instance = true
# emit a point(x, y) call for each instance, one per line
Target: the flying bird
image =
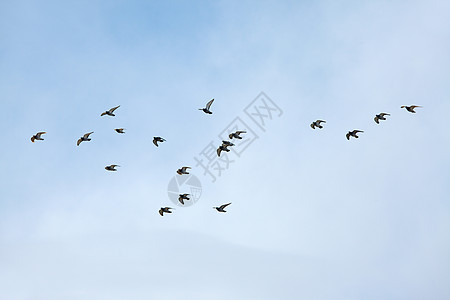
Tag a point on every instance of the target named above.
point(110, 112)
point(410, 108)
point(227, 143)
point(317, 124)
point(222, 148)
point(353, 134)
point(120, 130)
point(157, 139)
point(183, 197)
point(183, 170)
point(165, 210)
point(206, 109)
point(236, 134)
point(380, 117)
point(37, 136)
point(111, 167)
point(221, 208)
point(84, 138)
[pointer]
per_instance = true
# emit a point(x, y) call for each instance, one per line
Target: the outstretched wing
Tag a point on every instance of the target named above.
point(114, 108)
point(240, 131)
point(33, 138)
point(40, 133)
point(224, 205)
point(155, 141)
point(321, 121)
point(161, 212)
point(348, 135)
point(384, 114)
point(208, 105)
point(219, 150)
point(103, 113)
point(376, 120)
point(356, 131)
point(87, 135)
point(185, 168)
point(312, 126)
point(79, 141)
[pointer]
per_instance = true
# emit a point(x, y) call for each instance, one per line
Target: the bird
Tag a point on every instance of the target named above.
point(157, 139)
point(380, 117)
point(120, 130)
point(317, 124)
point(165, 210)
point(111, 167)
point(84, 138)
point(353, 134)
point(37, 136)
point(110, 111)
point(183, 197)
point(222, 148)
point(227, 143)
point(183, 170)
point(236, 134)
point(221, 208)
point(208, 105)
point(410, 108)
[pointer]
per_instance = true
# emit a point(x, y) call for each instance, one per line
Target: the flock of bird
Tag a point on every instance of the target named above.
point(223, 147)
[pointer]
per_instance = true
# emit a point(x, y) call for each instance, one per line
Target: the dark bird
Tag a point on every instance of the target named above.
point(236, 134)
point(111, 167)
point(206, 109)
point(37, 136)
point(317, 124)
point(410, 108)
point(157, 139)
point(221, 208)
point(183, 170)
point(353, 134)
point(120, 130)
point(165, 210)
point(222, 148)
point(183, 197)
point(110, 112)
point(380, 117)
point(227, 143)
point(84, 138)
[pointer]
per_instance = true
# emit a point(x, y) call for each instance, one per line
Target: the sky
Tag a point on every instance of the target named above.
point(313, 216)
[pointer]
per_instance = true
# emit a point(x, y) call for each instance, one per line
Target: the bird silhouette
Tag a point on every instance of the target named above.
point(410, 108)
point(183, 197)
point(37, 136)
point(236, 134)
point(221, 208)
point(182, 170)
point(157, 139)
point(165, 210)
point(111, 167)
point(120, 130)
point(317, 124)
point(227, 143)
point(84, 138)
point(208, 106)
point(110, 112)
point(222, 148)
point(380, 117)
point(353, 134)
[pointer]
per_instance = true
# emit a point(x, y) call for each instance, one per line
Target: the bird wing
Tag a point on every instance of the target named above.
point(113, 166)
point(103, 113)
point(185, 168)
point(240, 131)
point(161, 212)
point(384, 114)
point(356, 131)
point(87, 134)
point(414, 106)
point(208, 105)
point(155, 142)
point(181, 200)
point(403, 106)
point(376, 120)
point(219, 150)
point(40, 133)
point(224, 205)
point(312, 126)
point(114, 108)
point(321, 121)
point(79, 141)
point(348, 135)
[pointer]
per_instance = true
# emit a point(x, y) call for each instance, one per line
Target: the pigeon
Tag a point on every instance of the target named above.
point(317, 124)
point(37, 136)
point(110, 111)
point(227, 143)
point(236, 134)
point(380, 117)
point(206, 109)
point(183, 197)
point(111, 167)
point(84, 138)
point(157, 139)
point(410, 108)
point(183, 170)
point(120, 130)
point(222, 148)
point(221, 208)
point(165, 210)
point(353, 134)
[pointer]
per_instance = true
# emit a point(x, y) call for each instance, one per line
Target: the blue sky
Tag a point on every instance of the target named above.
point(314, 216)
